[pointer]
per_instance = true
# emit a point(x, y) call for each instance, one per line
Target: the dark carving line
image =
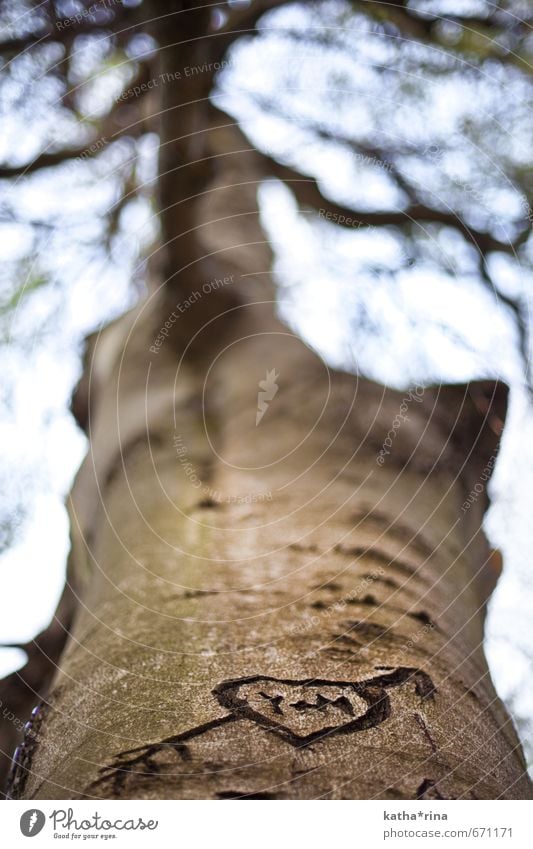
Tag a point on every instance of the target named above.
point(424, 686)
point(378, 711)
point(123, 766)
point(140, 761)
point(376, 554)
point(274, 701)
point(208, 504)
point(420, 720)
point(368, 629)
point(298, 546)
point(388, 582)
point(322, 702)
point(423, 617)
point(429, 786)
point(402, 532)
point(235, 794)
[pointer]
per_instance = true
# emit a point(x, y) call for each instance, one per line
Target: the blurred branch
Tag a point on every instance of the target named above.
point(243, 21)
point(477, 35)
point(65, 30)
point(107, 133)
point(424, 26)
point(520, 317)
point(308, 194)
point(46, 160)
point(373, 152)
point(417, 211)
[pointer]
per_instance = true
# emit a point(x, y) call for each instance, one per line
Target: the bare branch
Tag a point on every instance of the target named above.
point(243, 21)
point(424, 27)
point(308, 194)
point(66, 30)
point(520, 317)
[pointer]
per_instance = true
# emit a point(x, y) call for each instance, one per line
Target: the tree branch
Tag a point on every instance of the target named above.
point(423, 27)
point(521, 320)
point(65, 33)
point(107, 133)
point(308, 194)
point(45, 160)
point(243, 21)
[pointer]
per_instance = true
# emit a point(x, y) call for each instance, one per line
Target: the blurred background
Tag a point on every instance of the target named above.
point(414, 116)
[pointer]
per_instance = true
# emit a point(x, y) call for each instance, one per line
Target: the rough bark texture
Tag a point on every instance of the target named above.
point(304, 624)
point(265, 610)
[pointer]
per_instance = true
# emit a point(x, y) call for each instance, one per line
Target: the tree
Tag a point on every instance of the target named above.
point(277, 580)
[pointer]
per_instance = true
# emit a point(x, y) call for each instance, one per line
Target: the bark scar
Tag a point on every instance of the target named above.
point(327, 707)
point(23, 754)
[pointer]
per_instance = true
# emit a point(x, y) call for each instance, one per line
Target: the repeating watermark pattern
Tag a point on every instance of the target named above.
point(419, 635)
point(172, 77)
point(479, 487)
point(337, 607)
point(300, 712)
point(268, 389)
point(340, 218)
point(90, 151)
point(356, 224)
point(436, 154)
point(416, 395)
point(366, 159)
point(10, 716)
point(183, 306)
point(213, 496)
point(84, 14)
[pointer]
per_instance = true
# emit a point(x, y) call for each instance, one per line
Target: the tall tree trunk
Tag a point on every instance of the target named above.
point(280, 570)
point(266, 610)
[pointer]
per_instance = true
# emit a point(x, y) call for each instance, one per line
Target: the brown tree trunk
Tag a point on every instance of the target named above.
point(269, 610)
point(280, 570)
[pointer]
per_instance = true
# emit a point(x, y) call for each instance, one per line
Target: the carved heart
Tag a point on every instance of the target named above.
point(304, 711)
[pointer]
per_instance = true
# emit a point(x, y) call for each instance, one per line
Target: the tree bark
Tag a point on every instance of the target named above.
point(292, 618)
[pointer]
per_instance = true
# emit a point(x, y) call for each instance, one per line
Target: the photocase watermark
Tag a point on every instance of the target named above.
point(268, 389)
point(65, 819)
point(340, 218)
point(479, 487)
point(347, 220)
point(65, 825)
point(415, 395)
point(420, 634)
point(213, 496)
point(436, 153)
point(90, 151)
point(89, 12)
point(366, 159)
point(173, 76)
point(337, 607)
point(32, 822)
point(357, 224)
point(10, 716)
point(183, 306)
